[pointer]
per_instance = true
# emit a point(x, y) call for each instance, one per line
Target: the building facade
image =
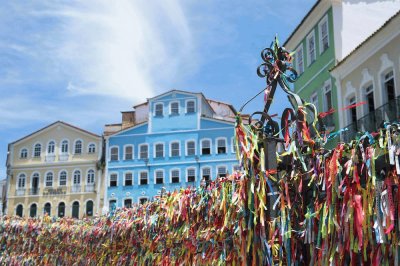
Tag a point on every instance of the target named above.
point(3, 195)
point(327, 34)
point(172, 141)
point(370, 74)
point(55, 170)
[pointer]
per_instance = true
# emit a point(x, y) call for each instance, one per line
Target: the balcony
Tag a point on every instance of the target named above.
point(20, 192)
point(374, 120)
point(50, 158)
point(63, 157)
point(76, 188)
point(34, 191)
point(89, 188)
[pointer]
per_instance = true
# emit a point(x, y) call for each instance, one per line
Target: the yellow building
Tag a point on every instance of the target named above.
point(55, 170)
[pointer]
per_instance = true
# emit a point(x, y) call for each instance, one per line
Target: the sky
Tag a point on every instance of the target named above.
point(83, 62)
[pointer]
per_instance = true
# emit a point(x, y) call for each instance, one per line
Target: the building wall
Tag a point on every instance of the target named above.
point(47, 163)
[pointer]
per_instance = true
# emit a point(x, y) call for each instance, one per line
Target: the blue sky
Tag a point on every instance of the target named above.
point(85, 61)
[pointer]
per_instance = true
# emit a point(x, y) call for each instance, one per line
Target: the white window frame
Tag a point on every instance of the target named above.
point(20, 153)
point(187, 173)
point(383, 79)
point(109, 179)
point(216, 145)
point(170, 175)
point(19, 178)
point(201, 146)
point(148, 151)
point(88, 147)
point(364, 93)
point(222, 165)
point(142, 197)
point(316, 103)
point(202, 169)
point(127, 198)
point(186, 147)
point(139, 177)
point(66, 178)
point(348, 102)
point(110, 199)
point(186, 106)
point(233, 145)
point(133, 151)
point(82, 144)
point(114, 146)
point(155, 150)
point(311, 35)
point(155, 108)
point(54, 148)
point(31, 179)
point(170, 108)
point(321, 47)
point(155, 176)
point(61, 143)
point(128, 172)
point(41, 150)
point(87, 175)
point(299, 50)
point(45, 179)
point(80, 177)
point(170, 148)
point(325, 90)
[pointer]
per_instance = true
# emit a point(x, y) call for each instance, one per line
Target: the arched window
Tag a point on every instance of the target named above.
point(51, 147)
point(37, 150)
point(23, 154)
point(33, 210)
point(190, 108)
point(61, 209)
point(63, 178)
point(175, 149)
point(174, 108)
point(49, 179)
point(128, 152)
point(221, 171)
point(191, 174)
point(21, 181)
point(175, 176)
point(64, 146)
point(78, 147)
point(47, 209)
point(89, 208)
point(221, 146)
point(90, 176)
point(35, 184)
point(92, 148)
point(75, 210)
point(77, 177)
point(19, 211)
point(114, 154)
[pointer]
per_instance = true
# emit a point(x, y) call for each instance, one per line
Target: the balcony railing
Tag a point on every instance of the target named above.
point(373, 121)
point(76, 188)
point(50, 158)
point(89, 188)
point(20, 192)
point(34, 191)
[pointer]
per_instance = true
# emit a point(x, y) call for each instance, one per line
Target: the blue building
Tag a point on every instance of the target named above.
point(174, 140)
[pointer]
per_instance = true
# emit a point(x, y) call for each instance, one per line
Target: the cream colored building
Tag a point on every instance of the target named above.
point(370, 74)
point(56, 170)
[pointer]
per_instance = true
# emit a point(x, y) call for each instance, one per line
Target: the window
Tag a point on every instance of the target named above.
point(47, 209)
point(174, 108)
point(21, 181)
point(206, 146)
point(175, 149)
point(143, 200)
point(35, 183)
point(144, 178)
point(51, 147)
point(221, 146)
point(221, 171)
point(77, 177)
point(159, 109)
point(236, 168)
point(78, 147)
point(159, 150)
point(89, 208)
point(144, 151)
point(369, 96)
point(113, 204)
point(311, 48)
point(327, 96)
point(128, 179)
point(190, 107)
point(63, 178)
point(206, 174)
point(352, 111)
point(23, 154)
point(75, 209)
point(191, 175)
point(61, 209)
point(49, 179)
point(299, 60)
point(113, 180)
point(323, 35)
point(389, 86)
point(33, 210)
point(19, 211)
point(64, 146)
point(114, 154)
point(37, 150)
point(128, 203)
point(159, 177)
point(90, 177)
point(92, 148)
point(190, 148)
point(175, 176)
point(128, 152)
point(314, 99)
